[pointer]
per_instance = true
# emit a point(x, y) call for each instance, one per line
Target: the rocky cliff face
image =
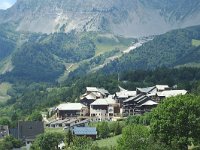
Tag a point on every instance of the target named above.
point(124, 17)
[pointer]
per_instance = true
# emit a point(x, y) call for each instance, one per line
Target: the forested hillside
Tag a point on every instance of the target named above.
point(171, 49)
point(42, 57)
point(8, 40)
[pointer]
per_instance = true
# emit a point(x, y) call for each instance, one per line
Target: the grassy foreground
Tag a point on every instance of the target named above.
point(108, 142)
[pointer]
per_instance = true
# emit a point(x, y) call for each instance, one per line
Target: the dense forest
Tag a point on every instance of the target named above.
point(8, 40)
point(171, 49)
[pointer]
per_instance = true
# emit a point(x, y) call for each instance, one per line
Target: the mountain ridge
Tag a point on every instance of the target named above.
point(128, 18)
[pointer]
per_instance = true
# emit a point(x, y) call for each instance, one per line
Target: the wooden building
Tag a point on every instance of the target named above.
point(104, 109)
point(71, 110)
point(92, 94)
point(138, 105)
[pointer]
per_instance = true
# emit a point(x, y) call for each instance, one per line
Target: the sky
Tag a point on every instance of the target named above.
point(5, 4)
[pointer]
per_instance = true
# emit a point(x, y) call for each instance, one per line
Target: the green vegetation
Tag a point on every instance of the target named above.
point(9, 142)
point(8, 40)
point(52, 130)
point(174, 124)
point(48, 141)
point(176, 121)
point(43, 58)
point(103, 130)
point(134, 137)
point(4, 88)
point(35, 116)
point(27, 98)
point(108, 142)
point(35, 62)
point(195, 42)
point(169, 50)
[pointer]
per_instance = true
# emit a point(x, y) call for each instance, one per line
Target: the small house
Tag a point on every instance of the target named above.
point(90, 132)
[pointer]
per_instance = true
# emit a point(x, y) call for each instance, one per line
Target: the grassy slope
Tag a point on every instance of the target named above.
point(195, 42)
point(59, 130)
point(4, 87)
point(104, 43)
point(109, 142)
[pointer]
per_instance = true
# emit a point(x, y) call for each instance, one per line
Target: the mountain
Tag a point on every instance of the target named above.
point(122, 17)
point(41, 57)
point(173, 49)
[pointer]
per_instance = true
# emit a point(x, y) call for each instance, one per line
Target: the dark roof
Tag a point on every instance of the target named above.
point(3, 131)
point(30, 129)
point(139, 99)
point(85, 131)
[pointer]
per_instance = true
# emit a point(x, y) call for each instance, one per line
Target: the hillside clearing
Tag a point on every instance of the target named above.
point(4, 87)
point(195, 42)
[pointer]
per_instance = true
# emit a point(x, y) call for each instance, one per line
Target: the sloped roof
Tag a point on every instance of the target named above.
point(91, 89)
point(97, 91)
point(82, 122)
point(149, 103)
point(121, 88)
point(125, 94)
point(30, 129)
point(171, 93)
point(72, 121)
point(139, 99)
point(136, 98)
point(105, 101)
point(60, 121)
point(103, 91)
point(85, 131)
point(91, 96)
point(147, 89)
point(162, 87)
point(71, 106)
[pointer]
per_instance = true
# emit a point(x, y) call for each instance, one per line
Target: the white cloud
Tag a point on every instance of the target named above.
point(5, 4)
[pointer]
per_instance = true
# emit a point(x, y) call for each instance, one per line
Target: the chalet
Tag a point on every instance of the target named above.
point(87, 99)
point(98, 91)
point(90, 132)
point(71, 110)
point(4, 131)
point(123, 95)
point(138, 105)
point(92, 94)
point(104, 109)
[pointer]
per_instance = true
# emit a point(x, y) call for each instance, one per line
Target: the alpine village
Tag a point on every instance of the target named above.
point(100, 75)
